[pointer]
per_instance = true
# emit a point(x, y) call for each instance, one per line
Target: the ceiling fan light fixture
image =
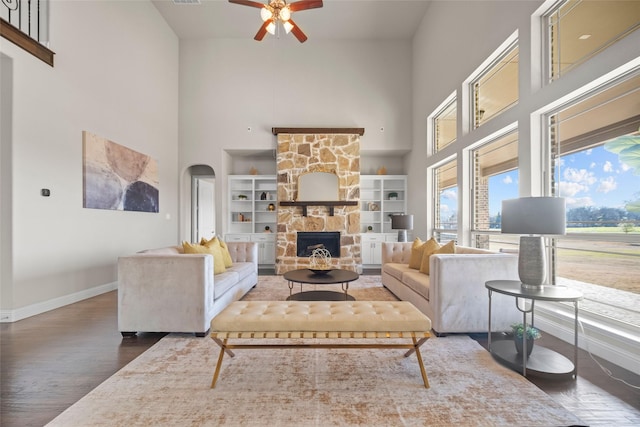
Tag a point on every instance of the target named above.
point(275, 12)
point(265, 14)
point(285, 14)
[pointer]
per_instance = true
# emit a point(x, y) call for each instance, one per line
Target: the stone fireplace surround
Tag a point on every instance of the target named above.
point(303, 150)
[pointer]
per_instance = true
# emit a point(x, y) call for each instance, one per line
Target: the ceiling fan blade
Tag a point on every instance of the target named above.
point(304, 5)
point(248, 3)
point(298, 32)
point(263, 30)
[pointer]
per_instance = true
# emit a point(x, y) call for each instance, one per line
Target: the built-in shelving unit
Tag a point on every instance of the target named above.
point(252, 213)
point(380, 197)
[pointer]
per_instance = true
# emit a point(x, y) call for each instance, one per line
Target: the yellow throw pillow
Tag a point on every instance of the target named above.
point(218, 263)
point(416, 253)
point(430, 247)
point(449, 248)
point(226, 255)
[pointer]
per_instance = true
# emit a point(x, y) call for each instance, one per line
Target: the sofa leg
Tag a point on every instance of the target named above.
point(440, 334)
point(128, 334)
point(200, 334)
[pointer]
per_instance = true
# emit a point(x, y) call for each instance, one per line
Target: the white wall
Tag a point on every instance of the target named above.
point(6, 120)
point(228, 86)
point(116, 75)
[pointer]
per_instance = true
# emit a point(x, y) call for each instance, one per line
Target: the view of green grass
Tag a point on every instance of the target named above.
point(612, 230)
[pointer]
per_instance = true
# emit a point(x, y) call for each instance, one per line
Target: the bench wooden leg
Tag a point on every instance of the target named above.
point(223, 348)
point(416, 348)
point(224, 345)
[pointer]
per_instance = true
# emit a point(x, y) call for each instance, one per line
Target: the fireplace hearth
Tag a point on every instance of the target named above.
point(307, 241)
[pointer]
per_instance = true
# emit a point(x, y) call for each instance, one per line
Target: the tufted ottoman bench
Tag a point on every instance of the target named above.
point(336, 320)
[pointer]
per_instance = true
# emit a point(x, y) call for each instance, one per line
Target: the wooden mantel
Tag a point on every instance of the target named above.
point(313, 131)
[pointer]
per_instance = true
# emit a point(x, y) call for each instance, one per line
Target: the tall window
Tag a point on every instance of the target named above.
point(446, 202)
point(445, 125)
point(577, 30)
point(495, 178)
point(496, 89)
point(595, 146)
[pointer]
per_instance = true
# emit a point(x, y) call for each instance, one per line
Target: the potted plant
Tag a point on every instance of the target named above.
point(531, 335)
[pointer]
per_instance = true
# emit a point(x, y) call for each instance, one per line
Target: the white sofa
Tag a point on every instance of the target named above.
point(453, 295)
point(166, 290)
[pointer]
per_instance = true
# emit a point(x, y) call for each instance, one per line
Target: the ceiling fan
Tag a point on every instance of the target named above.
point(280, 11)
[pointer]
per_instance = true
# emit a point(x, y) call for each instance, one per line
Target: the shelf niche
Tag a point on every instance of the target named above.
point(329, 204)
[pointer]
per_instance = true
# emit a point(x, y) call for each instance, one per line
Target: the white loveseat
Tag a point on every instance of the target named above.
point(453, 295)
point(166, 290)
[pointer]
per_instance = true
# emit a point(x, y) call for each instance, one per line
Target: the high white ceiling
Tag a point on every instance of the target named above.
point(337, 19)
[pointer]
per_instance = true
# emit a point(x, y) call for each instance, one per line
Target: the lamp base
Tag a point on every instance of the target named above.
point(532, 287)
point(402, 235)
point(532, 267)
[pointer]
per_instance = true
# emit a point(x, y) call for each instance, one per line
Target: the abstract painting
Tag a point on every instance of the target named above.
point(116, 177)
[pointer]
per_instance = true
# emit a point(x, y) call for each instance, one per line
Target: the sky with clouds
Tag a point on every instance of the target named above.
point(597, 178)
point(592, 178)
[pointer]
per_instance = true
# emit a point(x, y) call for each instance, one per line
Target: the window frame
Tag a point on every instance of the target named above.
point(476, 118)
point(436, 225)
point(433, 148)
point(547, 58)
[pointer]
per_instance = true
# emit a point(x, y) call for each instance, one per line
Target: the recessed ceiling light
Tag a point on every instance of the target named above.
point(584, 36)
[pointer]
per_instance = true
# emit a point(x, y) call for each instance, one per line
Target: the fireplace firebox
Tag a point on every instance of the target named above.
point(307, 241)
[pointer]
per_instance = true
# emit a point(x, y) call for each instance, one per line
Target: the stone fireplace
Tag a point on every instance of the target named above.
point(303, 151)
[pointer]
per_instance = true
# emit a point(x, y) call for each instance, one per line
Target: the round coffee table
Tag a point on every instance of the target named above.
point(306, 276)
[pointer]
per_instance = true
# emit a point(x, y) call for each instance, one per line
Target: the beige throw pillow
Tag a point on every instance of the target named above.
point(449, 248)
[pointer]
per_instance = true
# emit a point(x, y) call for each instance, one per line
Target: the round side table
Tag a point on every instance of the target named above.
point(542, 360)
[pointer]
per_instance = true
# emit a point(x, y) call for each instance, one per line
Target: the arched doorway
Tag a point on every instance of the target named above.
point(202, 216)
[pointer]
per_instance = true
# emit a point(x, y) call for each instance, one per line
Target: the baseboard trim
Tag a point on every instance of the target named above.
point(613, 341)
point(10, 316)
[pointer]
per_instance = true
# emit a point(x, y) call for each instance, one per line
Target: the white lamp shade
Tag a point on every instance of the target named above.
point(285, 13)
point(271, 28)
point(265, 14)
point(534, 215)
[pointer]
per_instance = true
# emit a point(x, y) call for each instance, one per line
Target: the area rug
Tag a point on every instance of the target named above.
point(169, 385)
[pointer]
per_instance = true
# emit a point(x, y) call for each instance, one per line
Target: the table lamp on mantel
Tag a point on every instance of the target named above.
point(402, 223)
point(535, 217)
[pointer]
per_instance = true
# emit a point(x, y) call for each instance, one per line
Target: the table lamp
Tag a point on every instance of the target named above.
point(402, 223)
point(533, 216)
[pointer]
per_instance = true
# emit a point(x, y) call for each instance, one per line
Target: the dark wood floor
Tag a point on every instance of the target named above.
point(50, 361)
